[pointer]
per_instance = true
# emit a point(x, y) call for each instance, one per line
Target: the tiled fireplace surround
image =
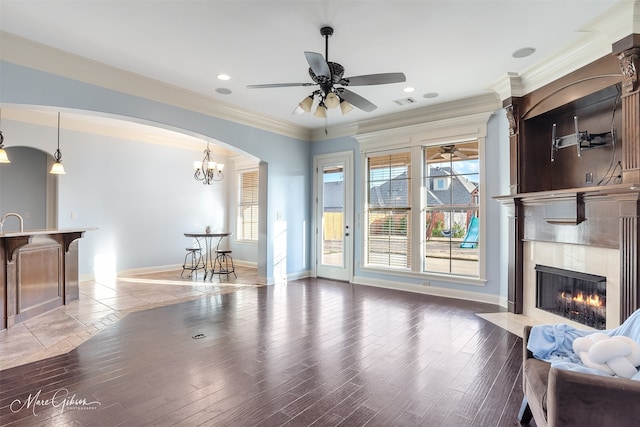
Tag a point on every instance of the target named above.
point(586, 259)
point(589, 230)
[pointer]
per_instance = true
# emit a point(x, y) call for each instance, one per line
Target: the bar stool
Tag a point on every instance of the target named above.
point(192, 261)
point(224, 264)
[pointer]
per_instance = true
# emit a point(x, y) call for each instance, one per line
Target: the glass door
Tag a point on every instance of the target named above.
point(334, 234)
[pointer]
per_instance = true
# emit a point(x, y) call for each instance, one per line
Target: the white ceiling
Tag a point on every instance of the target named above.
point(455, 48)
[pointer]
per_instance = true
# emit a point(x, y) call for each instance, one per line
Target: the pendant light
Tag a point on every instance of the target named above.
point(3, 154)
point(57, 168)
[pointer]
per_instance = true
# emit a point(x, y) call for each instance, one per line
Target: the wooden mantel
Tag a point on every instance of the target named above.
point(38, 272)
point(605, 217)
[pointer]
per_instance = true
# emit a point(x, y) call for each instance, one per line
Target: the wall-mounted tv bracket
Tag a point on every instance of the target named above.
point(582, 140)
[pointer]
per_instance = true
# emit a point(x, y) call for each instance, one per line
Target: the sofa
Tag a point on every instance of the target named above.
point(557, 397)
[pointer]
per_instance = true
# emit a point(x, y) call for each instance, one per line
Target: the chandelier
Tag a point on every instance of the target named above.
point(207, 170)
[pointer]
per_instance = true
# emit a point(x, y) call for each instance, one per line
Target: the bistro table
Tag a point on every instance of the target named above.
point(207, 238)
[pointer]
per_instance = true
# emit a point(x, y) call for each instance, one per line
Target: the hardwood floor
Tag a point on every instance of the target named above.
point(312, 352)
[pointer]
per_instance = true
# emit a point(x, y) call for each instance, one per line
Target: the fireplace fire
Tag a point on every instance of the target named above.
point(574, 295)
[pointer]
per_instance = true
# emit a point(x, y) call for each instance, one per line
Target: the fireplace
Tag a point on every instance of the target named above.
point(574, 295)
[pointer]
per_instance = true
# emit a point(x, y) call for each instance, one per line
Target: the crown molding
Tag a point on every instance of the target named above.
point(34, 55)
point(594, 43)
point(451, 129)
point(508, 86)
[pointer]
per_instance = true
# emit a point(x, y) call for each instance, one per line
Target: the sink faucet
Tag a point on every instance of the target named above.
point(12, 214)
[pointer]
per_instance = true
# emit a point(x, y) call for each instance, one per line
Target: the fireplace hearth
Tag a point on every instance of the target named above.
point(574, 295)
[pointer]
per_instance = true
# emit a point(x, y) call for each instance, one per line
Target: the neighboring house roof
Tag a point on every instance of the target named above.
point(391, 193)
point(459, 193)
point(460, 190)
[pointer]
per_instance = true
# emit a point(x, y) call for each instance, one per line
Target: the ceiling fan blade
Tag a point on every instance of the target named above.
point(460, 154)
point(356, 100)
point(279, 85)
point(376, 79)
point(436, 155)
point(318, 64)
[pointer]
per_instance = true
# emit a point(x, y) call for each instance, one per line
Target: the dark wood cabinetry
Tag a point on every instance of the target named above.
point(604, 97)
point(587, 164)
point(38, 272)
point(593, 95)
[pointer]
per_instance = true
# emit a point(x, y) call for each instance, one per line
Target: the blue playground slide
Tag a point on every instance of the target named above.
point(471, 239)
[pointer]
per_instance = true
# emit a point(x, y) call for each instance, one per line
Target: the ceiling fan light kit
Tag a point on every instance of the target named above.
point(321, 111)
point(331, 100)
point(332, 90)
point(345, 107)
point(306, 104)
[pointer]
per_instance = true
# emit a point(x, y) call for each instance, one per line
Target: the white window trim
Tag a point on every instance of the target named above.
point(239, 172)
point(365, 236)
point(439, 132)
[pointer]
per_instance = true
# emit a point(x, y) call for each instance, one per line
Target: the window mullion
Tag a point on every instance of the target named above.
point(417, 202)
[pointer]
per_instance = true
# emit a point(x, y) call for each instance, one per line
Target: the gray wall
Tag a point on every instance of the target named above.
point(23, 184)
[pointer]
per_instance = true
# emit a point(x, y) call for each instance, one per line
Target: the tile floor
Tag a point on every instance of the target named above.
point(102, 304)
point(513, 323)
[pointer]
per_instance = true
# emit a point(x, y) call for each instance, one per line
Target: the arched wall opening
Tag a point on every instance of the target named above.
point(133, 181)
point(38, 206)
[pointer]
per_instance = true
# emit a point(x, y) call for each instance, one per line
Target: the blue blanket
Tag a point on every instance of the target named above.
point(554, 343)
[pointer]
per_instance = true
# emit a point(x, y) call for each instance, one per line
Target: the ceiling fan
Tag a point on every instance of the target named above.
point(448, 152)
point(332, 91)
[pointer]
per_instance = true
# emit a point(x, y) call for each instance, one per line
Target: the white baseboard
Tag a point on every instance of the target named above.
point(291, 276)
point(429, 290)
point(146, 270)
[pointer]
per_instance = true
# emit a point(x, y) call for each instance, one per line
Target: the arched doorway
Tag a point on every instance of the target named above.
point(28, 170)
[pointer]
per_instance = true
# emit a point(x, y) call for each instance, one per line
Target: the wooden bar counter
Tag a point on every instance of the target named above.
point(38, 272)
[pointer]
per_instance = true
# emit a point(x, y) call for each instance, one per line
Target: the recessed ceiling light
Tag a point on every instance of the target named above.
point(408, 89)
point(430, 95)
point(524, 52)
point(223, 77)
point(223, 91)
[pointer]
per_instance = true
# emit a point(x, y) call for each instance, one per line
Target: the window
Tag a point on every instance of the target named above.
point(247, 224)
point(451, 209)
point(439, 183)
point(423, 212)
point(388, 240)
